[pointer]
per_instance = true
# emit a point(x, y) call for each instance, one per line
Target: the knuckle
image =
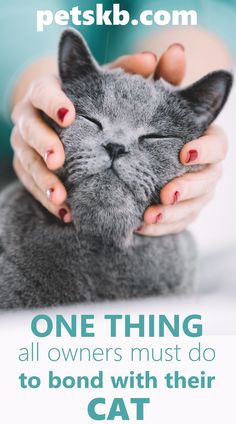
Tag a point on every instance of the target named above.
point(186, 187)
point(49, 181)
point(14, 113)
point(27, 127)
point(43, 92)
point(31, 162)
point(17, 110)
point(169, 215)
point(14, 138)
point(36, 89)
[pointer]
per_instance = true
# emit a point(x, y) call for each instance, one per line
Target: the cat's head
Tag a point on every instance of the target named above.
point(124, 144)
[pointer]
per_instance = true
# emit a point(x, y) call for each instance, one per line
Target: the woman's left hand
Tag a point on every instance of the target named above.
point(183, 198)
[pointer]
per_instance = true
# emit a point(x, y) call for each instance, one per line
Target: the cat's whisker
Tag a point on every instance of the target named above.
point(73, 167)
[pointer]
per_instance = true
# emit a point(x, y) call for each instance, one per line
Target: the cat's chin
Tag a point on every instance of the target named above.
point(106, 233)
point(112, 226)
point(103, 208)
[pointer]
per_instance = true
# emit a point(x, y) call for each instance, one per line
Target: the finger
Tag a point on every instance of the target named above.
point(32, 188)
point(140, 63)
point(155, 230)
point(160, 214)
point(46, 94)
point(210, 148)
point(172, 65)
point(33, 164)
point(41, 137)
point(191, 185)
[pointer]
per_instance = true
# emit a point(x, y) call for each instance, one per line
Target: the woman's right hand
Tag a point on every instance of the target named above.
point(38, 151)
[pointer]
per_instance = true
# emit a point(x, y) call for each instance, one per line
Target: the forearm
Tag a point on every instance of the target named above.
point(205, 51)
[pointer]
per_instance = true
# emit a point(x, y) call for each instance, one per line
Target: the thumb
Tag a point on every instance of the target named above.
point(172, 65)
point(139, 63)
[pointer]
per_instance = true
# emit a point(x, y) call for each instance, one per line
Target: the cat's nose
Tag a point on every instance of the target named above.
point(115, 150)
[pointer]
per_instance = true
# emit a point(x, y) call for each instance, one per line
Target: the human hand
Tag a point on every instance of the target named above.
point(183, 198)
point(38, 151)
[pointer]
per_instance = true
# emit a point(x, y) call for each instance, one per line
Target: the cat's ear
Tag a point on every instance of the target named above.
point(75, 58)
point(207, 96)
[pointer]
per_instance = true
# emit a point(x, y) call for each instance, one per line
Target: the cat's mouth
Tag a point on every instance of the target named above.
point(113, 170)
point(116, 213)
point(102, 183)
point(121, 180)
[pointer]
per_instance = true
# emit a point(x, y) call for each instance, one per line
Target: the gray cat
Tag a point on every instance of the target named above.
point(121, 150)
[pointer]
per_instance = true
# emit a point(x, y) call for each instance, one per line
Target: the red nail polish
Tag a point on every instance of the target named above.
point(47, 154)
point(153, 54)
point(159, 217)
point(177, 45)
point(49, 192)
point(62, 213)
point(62, 113)
point(176, 197)
point(192, 155)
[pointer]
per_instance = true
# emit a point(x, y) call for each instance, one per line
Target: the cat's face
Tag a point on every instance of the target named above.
point(124, 144)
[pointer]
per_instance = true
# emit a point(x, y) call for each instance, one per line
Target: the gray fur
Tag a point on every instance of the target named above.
point(98, 256)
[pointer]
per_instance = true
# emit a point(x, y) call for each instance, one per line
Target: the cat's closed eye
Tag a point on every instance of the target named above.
point(153, 136)
point(93, 121)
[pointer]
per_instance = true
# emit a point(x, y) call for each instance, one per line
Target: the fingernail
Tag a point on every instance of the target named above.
point(47, 154)
point(153, 54)
point(63, 213)
point(49, 193)
point(62, 113)
point(176, 197)
point(159, 218)
point(177, 45)
point(192, 155)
